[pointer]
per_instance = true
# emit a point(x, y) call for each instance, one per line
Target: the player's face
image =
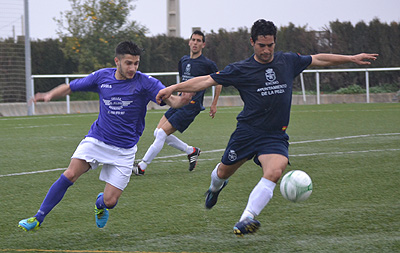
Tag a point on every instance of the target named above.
point(127, 65)
point(196, 44)
point(264, 48)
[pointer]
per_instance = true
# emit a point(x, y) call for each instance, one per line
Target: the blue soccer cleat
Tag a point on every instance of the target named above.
point(101, 215)
point(246, 226)
point(29, 224)
point(212, 197)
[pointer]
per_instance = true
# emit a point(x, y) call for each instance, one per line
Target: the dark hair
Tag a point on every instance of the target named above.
point(198, 32)
point(127, 47)
point(264, 28)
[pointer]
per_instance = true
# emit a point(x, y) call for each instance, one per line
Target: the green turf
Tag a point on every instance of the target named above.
point(351, 151)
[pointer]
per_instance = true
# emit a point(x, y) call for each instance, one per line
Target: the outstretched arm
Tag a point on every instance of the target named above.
point(192, 85)
point(337, 59)
point(179, 101)
point(60, 91)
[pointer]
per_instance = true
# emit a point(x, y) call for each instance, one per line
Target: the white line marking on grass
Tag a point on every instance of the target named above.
point(43, 126)
point(346, 153)
point(31, 172)
point(163, 158)
point(344, 137)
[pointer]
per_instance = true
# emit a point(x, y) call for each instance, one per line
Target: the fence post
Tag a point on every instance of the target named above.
point(67, 97)
point(318, 90)
point(303, 89)
point(367, 84)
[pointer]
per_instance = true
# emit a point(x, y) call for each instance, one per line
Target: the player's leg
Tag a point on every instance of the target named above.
point(219, 179)
point(106, 200)
point(56, 192)
point(181, 120)
point(160, 137)
point(273, 166)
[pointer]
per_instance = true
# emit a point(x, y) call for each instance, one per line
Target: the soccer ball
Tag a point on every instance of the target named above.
point(296, 186)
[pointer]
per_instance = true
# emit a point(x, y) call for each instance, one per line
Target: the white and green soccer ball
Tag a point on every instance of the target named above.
point(296, 186)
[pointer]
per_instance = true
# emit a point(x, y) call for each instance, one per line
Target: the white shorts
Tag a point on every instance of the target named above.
point(117, 162)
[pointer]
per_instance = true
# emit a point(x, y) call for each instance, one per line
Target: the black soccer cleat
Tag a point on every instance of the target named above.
point(193, 157)
point(137, 170)
point(212, 197)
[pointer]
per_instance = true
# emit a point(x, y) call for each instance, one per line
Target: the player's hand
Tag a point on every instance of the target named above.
point(164, 94)
point(46, 97)
point(364, 59)
point(213, 111)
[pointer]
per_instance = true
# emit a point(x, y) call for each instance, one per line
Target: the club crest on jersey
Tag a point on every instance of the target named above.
point(270, 75)
point(232, 156)
point(188, 68)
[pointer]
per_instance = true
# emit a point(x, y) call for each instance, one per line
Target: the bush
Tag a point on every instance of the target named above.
point(352, 89)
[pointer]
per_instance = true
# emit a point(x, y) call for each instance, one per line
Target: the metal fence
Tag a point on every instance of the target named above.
point(317, 78)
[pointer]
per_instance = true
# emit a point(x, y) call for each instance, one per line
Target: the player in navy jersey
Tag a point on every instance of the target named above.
point(124, 94)
point(195, 64)
point(264, 82)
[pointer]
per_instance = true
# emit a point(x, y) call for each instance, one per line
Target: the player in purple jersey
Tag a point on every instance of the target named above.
point(265, 83)
point(195, 64)
point(124, 94)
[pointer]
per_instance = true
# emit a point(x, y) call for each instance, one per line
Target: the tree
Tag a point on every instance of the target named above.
point(93, 28)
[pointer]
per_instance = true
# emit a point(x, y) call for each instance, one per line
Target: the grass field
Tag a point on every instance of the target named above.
point(351, 151)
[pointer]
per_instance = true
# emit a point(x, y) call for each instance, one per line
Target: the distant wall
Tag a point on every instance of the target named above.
point(60, 107)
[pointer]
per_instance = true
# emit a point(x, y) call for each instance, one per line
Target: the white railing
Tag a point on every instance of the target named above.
point(316, 71)
point(67, 77)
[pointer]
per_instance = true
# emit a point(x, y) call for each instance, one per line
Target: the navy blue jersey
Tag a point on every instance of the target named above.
point(189, 68)
point(123, 105)
point(266, 89)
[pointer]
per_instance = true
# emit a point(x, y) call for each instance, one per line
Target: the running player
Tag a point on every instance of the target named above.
point(124, 94)
point(265, 82)
point(195, 64)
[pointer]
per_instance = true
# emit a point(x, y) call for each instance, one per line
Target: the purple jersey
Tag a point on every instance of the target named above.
point(266, 89)
point(123, 105)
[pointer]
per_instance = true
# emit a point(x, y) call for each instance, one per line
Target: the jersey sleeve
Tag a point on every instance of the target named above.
point(226, 77)
point(88, 83)
point(301, 62)
point(154, 86)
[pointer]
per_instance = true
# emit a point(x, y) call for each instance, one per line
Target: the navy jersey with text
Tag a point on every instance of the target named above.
point(123, 105)
point(266, 89)
point(189, 68)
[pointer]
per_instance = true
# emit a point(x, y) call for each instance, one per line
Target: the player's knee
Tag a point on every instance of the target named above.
point(273, 174)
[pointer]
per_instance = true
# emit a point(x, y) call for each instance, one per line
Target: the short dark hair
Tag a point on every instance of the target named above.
point(198, 32)
point(264, 28)
point(127, 47)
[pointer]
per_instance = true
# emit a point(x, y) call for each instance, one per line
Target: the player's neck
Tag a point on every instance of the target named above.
point(195, 55)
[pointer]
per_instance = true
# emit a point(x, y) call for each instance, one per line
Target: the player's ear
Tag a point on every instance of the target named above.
point(251, 42)
point(116, 60)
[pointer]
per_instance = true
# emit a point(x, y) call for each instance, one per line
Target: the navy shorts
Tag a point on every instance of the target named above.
point(181, 118)
point(247, 143)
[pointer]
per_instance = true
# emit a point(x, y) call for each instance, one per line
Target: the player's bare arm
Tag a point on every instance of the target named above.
point(337, 59)
point(60, 91)
point(192, 85)
point(213, 107)
point(178, 101)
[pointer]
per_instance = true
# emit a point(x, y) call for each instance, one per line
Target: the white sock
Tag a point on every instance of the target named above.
point(259, 198)
point(154, 149)
point(143, 165)
point(175, 142)
point(216, 182)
